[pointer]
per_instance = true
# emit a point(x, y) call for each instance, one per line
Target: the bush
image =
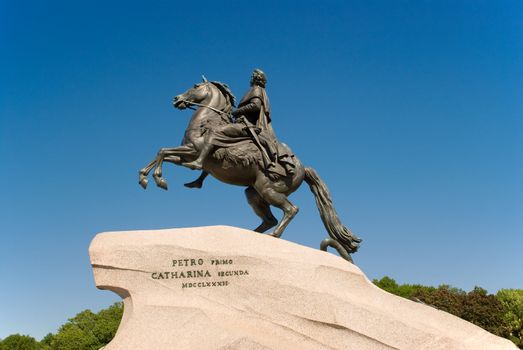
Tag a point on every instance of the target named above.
point(500, 314)
point(87, 330)
point(512, 301)
point(19, 342)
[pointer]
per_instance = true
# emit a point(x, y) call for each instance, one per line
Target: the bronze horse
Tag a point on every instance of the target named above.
point(239, 165)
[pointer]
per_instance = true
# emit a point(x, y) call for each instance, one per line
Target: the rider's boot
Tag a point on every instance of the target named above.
point(198, 183)
point(198, 163)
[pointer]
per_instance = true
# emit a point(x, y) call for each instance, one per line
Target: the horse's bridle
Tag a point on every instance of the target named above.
point(221, 113)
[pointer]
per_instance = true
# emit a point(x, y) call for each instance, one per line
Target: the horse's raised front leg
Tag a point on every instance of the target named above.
point(174, 154)
point(144, 172)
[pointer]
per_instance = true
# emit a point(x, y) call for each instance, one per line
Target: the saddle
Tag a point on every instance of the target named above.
point(247, 154)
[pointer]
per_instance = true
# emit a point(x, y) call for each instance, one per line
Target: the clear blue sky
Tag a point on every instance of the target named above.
point(410, 110)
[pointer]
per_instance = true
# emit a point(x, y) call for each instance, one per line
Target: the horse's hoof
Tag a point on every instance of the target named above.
point(275, 235)
point(162, 184)
point(143, 182)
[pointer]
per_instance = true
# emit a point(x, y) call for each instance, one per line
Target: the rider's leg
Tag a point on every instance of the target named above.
point(230, 131)
point(198, 163)
point(198, 183)
point(268, 145)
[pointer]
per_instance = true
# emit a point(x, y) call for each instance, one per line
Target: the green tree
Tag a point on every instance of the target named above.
point(484, 310)
point(408, 291)
point(107, 323)
point(87, 330)
point(445, 298)
point(512, 301)
point(77, 333)
point(386, 283)
point(501, 317)
point(19, 342)
point(45, 343)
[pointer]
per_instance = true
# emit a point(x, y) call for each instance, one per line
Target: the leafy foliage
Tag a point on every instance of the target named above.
point(485, 310)
point(19, 342)
point(444, 298)
point(408, 291)
point(45, 343)
point(85, 331)
point(500, 314)
point(512, 301)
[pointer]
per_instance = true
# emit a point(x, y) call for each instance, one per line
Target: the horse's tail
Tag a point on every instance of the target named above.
point(341, 237)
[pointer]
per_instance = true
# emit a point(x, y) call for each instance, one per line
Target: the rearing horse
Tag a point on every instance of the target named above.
point(241, 168)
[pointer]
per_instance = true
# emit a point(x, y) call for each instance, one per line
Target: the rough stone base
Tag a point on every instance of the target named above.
point(229, 288)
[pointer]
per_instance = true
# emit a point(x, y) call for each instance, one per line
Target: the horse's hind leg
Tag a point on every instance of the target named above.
point(281, 201)
point(262, 209)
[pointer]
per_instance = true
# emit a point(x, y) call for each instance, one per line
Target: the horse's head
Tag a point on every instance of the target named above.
point(212, 94)
point(196, 94)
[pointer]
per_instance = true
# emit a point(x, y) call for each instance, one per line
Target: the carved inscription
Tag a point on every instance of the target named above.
point(201, 273)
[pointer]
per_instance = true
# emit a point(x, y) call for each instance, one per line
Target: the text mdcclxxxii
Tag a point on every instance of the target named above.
point(201, 273)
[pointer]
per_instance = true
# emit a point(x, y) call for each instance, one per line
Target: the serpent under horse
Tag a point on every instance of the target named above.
point(215, 102)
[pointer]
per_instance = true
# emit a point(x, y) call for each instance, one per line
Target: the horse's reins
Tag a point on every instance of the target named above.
point(222, 113)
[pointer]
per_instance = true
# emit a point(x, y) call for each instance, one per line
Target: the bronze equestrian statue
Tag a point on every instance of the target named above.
point(239, 147)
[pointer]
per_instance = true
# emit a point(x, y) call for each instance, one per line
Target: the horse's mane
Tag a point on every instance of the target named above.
point(226, 91)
